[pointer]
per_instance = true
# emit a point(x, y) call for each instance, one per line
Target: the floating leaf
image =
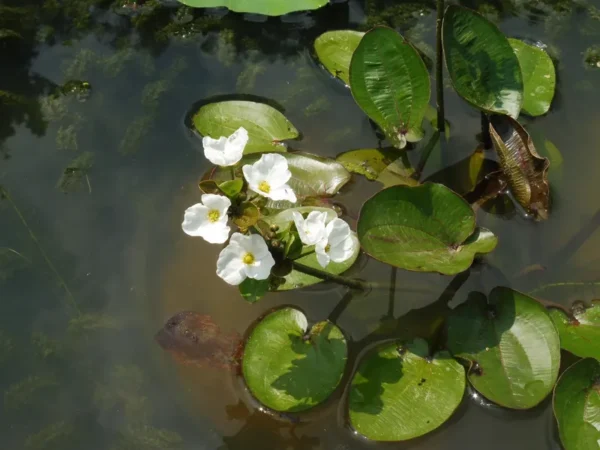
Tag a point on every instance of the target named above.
point(483, 66)
point(389, 167)
point(253, 290)
point(76, 172)
point(266, 7)
point(266, 126)
point(288, 367)
point(577, 405)
point(579, 334)
point(511, 344)
point(312, 176)
point(335, 48)
point(463, 176)
point(194, 338)
point(425, 228)
point(539, 77)
point(390, 83)
point(525, 170)
point(400, 391)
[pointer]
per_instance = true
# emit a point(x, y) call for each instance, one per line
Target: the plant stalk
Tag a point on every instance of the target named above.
point(352, 283)
point(485, 131)
point(439, 67)
point(425, 155)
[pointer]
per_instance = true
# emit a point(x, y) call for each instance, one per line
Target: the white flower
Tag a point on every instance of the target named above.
point(226, 151)
point(311, 230)
point(338, 245)
point(208, 219)
point(268, 177)
point(245, 256)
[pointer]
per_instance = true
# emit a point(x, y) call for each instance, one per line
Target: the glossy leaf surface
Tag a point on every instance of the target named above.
point(579, 334)
point(335, 49)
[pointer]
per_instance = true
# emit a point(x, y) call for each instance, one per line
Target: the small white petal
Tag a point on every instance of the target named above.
point(256, 245)
point(252, 176)
point(322, 256)
point(234, 147)
point(261, 269)
point(214, 150)
point(282, 193)
point(343, 250)
point(194, 218)
point(218, 202)
point(230, 266)
point(337, 231)
point(311, 230)
point(215, 232)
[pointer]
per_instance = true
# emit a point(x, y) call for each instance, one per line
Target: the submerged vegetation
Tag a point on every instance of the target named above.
point(419, 218)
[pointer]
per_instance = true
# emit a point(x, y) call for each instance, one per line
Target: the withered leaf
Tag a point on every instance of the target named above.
point(194, 338)
point(525, 170)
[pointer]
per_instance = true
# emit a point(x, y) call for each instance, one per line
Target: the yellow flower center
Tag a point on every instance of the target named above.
point(214, 215)
point(327, 248)
point(248, 258)
point(265, 187)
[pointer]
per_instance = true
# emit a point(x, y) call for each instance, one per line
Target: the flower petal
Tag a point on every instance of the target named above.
point(261, 269)
point(194, 219)
point(215, 232)
point(218, 202)
point(256, 245)
point(343, 250)
point(337, 231)
point(282, 193)
point(322, 255)
point(234, 147)
point(214, 150)
point(252, 176)
point(230, 266)
point(311, 230)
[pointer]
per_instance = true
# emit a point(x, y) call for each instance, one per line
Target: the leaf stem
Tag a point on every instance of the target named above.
point(61, 281)
point(352, 283)
point(439, 67)
point(425, 154)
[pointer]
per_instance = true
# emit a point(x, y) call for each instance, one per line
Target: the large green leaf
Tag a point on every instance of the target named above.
point(525, 170)
point(483, 66)
point(577, 406)
point(579, 334)
point(266, 126)
point(539, 77)
point(400, 392)
point(389, 167)
point(425, 228)
point(390, 83)
point(511, 344)
point(290, 368)
point(335, 48)
point(266, 7)
point(312, 176)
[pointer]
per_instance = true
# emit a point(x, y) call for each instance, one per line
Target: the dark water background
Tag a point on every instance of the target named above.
point(105, 264)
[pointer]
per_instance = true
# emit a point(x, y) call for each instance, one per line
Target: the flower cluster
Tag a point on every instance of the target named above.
point(248, 255)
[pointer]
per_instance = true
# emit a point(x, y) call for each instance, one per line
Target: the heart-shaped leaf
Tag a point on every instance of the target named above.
point(266, 7)
point(579, 334)
point(511, 344)
point(400, 391)
point(389, 167)
point(577, 406)
point(266, 126)
point(335, 48)
point(288, 367)
point(425, 228)
point(390, 83)
point(483, 66)
point(525, 170)
point(539, 77)
point(312, 176)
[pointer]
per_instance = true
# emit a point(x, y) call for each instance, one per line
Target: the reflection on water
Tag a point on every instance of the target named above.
point(88, 276)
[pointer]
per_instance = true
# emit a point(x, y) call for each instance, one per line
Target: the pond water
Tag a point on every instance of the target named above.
point(93, 264)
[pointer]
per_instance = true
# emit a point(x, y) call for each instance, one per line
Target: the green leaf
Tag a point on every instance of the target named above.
point(383, 165)
point(525, 170)
point(539, 77)
point(577, 406)
point(266, 126)
point(425, 228)
point(483, 66)
point(579, 334)
point(247, 215)
point(390, 83)
point(312, 176)
point(253, 290)
point(297, 280)
point(399, 392)
point(335, 48)
point(266, 7)
point(511, 344)
point(290, 368)
point(232, 188)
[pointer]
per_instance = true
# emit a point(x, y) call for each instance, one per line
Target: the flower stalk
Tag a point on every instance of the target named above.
point(352, 283)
